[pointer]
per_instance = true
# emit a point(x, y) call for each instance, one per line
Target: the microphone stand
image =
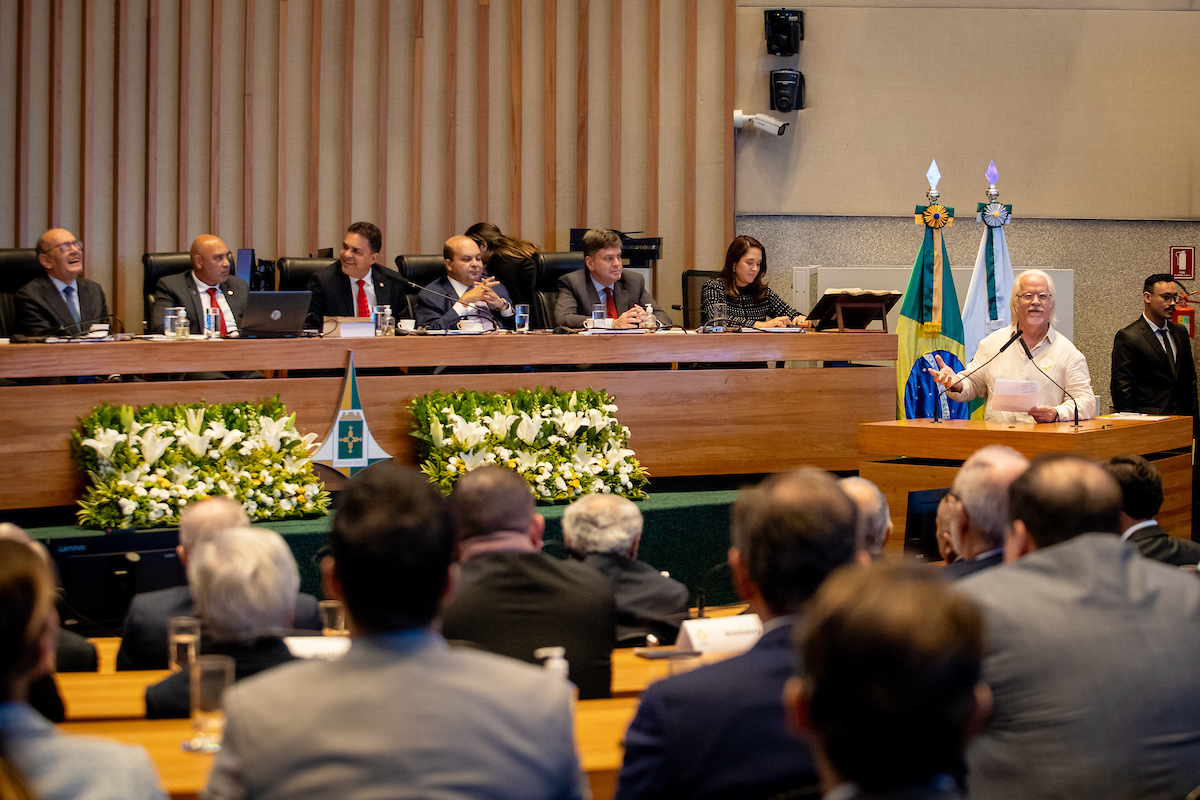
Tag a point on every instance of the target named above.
point(486, 308)
point(944, 389)
point(1070, 396)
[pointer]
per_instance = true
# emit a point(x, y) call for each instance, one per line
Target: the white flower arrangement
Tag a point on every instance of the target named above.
point(147, 464)
point(565, 444)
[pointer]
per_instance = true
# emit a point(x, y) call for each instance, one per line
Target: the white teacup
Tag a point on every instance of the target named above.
point(597, 323)
point(407, 324)
point(470, 325)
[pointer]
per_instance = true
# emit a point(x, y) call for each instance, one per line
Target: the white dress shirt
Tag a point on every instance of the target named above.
point(1169, 337)
point(1055, 354)
point(1137, 526)
point(205, 300)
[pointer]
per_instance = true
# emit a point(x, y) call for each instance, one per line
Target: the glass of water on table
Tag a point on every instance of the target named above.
point(211, 676)
point(183, 642)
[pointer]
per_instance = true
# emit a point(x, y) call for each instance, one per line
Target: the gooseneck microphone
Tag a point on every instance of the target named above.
point(965, 375)
point(491, 317)
point(1075, 402)
point(83, 325)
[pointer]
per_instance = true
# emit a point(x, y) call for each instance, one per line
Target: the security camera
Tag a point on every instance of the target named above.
point(760, 121)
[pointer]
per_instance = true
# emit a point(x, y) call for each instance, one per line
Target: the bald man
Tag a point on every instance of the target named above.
point(482, 300)
point(208, 283)
point(61, 302)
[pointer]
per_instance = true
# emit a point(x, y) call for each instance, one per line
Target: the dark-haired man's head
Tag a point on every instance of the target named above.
point(1160, 295)
point(493, 509)
point(891, 688)
point(1058, 498)
point(1141, 487)
point(392, 545)
point(789, 533)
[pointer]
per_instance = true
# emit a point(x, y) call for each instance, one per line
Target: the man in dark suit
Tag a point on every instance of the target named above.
point(351, 287)
point(977, 509)
point(144, 637)
point(1142, 497)
point(604, 282)
point(720, 731)
point(482, 300)
point(245, 582)
point(1152, 367)
point(206, 284)
point(512, 599)
point(61, 302)
point(604, 531)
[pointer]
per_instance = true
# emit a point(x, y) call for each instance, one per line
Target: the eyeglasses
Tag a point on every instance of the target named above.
point(67, 247)
point(1029, 297)
point(1170, 298)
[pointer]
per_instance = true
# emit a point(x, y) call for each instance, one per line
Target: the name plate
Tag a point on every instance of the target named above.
point(327, 648)
point(719, 634)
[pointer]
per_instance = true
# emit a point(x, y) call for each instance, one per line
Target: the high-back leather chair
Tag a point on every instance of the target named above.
point(156, 266)
point(692, 308)
point(551, 267)
point(292, 274)
point(421, 270)
point(18, 266)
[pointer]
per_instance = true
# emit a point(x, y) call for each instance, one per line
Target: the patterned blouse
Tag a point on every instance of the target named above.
point(743, 310)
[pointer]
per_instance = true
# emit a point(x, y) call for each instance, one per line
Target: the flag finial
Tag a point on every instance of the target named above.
point(992, 176)
point(933, 174)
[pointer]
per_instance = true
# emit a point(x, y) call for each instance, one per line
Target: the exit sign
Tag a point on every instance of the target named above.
point(1183, 262)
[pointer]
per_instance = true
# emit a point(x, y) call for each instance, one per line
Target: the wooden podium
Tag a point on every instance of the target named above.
point(909, 455)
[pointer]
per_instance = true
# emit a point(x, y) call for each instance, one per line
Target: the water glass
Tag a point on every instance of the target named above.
point(522, 319)
point(599, 314)
point(169, 317)
point(333, 618)
point(183, 638)
point(210, 677)
point(212, 323)
point(719, 317)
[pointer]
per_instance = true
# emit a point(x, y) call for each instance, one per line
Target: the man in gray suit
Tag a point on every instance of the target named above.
point(604, 282)
point(1093, 652)
point(401, 715)
point(62, 302)
point(208, 283)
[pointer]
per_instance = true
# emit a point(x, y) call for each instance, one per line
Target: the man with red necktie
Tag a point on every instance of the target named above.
point(604, 281)
point(208, 284)
point(352, 286)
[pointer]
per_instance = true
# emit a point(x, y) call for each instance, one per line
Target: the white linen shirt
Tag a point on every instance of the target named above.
point(1055, 354)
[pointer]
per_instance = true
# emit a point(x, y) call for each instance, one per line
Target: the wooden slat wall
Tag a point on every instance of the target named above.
point(174, 122)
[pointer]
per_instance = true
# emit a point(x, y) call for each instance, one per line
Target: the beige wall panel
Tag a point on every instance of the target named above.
point(532, 171)
point(1088, 114)
point(599, 99)
point(710, 151)
point(198, 116)
point(434, 129)
point(100, 239)
point(466, 205)
point(564, 88)
point(499, 111)
point(331, 217)
point(8, 122)
point(264, 140)
point(672, 101)
point(130, 222)
point(38, 201)
point(400, 131)
point(72, 119)
point(166, 179)
point(232, 69)
point(363, 144)
point(295, 113)
point(633, 118)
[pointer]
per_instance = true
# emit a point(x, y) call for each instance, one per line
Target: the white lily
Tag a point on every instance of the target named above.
point(311, 445)
point(525, 461)
point(197, 443)
point(529, 428)
point(473, 460)
point(499, 424)
point(469, 433)
point(584, 457)
point(153, 446)
point(292, 465)
point(271, 431)
point(195, 419)
point(437, 433)
point(572, 421)
point(104, 441)
point(183, 473)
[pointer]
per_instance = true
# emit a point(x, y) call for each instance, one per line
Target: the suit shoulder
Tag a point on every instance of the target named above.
point(35, 286)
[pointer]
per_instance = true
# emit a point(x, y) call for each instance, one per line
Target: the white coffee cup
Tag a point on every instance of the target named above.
point(470, 325)
point(407, 324)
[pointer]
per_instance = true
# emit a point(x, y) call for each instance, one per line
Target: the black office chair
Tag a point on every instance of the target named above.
point(292, 274)
point(692, 308)
point(18, 267)
point(421, 270)
point(550, 267)
point(154, 267)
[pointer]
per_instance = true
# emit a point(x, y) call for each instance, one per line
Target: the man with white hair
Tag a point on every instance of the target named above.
point(245, 582)
point(1040, 346)
point(874, 517)
point(604, 531)
point(977, 508)
point(144, 636)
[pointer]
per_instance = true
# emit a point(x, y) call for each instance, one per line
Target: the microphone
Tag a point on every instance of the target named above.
point(702, 591)
point(1016, 335)
point(1025, 347)
point(491, 317)
point(83, 325)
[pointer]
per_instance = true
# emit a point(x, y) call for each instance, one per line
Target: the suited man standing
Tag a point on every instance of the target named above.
point(1152, 367)
point(605, 281)
point(207, 284)
point(61, 302)
point(355, 284)
point(481, 298)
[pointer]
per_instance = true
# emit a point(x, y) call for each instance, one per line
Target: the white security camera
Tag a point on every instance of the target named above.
point(760, 121)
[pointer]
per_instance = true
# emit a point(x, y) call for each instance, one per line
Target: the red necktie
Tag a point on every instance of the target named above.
point(612, 306)
point(363, 311)
point(212, 303)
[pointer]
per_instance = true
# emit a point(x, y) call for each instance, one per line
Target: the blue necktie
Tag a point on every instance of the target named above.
point(69, 295)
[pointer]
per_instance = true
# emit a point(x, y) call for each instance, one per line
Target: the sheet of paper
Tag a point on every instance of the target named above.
point(1014, 395)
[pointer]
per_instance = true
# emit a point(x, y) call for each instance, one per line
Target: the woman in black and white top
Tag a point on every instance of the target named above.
point(748, 300)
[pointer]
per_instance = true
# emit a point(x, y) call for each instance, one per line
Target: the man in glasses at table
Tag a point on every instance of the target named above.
point(1043, 356)
point(1152, 367)
point(61, 302)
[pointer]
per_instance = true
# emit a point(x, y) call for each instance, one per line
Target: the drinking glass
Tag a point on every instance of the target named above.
point(333, 618)
point(183, 638)
point(210, 677)
point(522, 319)
point(212, 323)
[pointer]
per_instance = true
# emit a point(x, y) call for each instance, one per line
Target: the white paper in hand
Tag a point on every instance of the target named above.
point(1014, 395)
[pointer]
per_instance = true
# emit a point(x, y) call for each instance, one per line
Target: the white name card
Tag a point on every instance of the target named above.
point(719, 634)
point(328, 648)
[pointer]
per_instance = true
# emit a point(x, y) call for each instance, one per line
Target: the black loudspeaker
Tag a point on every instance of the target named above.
point(787, 90)
point(785, 31)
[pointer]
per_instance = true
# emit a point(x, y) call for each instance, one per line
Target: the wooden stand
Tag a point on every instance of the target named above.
point(852, 311)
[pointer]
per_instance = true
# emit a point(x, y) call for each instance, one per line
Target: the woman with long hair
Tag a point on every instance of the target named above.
point(35, 760)
point(506, 259)
point(748, 301)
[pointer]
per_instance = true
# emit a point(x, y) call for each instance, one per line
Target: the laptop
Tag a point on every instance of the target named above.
point(273, 315)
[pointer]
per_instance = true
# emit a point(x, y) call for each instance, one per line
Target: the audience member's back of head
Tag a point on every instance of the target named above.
point(982, 484)
point(1141, 485)
point(601, 523)
point(245, 583)
point(891, 664)
point(1062, 496)
point(792, 531)
point(489, 500)
point(392, 546)
point(199, 522)
point(874, 515)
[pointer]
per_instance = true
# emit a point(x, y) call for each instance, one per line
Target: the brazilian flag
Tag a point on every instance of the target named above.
point(930, 325)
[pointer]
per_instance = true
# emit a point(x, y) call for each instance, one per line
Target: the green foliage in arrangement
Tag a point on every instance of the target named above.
point(565, 444)
point(146, 464)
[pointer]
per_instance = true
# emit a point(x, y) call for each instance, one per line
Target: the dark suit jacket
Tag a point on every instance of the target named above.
point(514, 603)
point(1153, 542)
point(332, 296)
point(969, 566)
point(170, 698)
point(719, 731)
point(41, 310)
point(577, 294)
point(75, 653)
point(436, 312)
point(1142, 379)
point(144, 637)
point(647, 601)
point(180, 290)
